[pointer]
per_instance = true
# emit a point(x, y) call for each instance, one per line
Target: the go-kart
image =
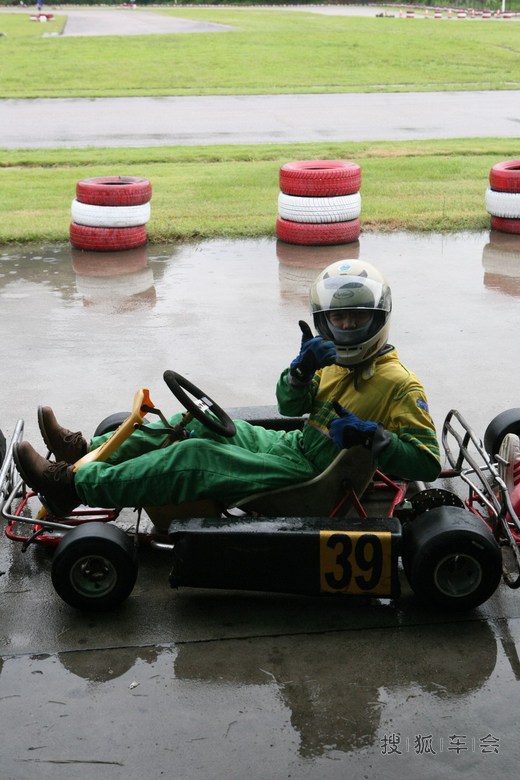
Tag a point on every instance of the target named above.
point(351, 530)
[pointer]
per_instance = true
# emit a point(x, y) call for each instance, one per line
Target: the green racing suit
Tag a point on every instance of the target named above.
point(143, 472)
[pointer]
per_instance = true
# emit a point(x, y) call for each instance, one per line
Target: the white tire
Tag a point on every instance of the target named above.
point(110, 216)
point(503, 204)
point(341, 208)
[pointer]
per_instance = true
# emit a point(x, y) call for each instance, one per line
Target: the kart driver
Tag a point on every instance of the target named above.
point(347, 378)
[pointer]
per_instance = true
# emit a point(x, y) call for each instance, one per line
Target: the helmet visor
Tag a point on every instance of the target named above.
point(352, 326)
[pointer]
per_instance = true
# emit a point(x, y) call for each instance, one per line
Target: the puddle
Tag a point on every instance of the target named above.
point(82, 330)
point(226, 709)
point(218, 685)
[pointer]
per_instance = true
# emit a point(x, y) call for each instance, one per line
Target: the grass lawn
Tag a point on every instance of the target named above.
point(205, 192)
point(268, 52)
point(232, 190)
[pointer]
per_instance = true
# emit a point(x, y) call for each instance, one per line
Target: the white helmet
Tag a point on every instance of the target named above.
point(347, 285)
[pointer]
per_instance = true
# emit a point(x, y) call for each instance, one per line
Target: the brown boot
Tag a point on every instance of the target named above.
point(53, 481)
point(64, 444)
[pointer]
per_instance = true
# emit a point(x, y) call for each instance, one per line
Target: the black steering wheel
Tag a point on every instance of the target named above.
point(199, 404)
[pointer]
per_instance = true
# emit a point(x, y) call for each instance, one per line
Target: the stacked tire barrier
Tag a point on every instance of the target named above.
point(503, 196)
point(110, 213)
point(319, 202)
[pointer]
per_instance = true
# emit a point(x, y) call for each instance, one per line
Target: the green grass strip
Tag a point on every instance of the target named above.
point(232, 191)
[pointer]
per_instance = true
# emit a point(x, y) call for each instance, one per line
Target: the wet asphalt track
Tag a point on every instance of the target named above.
point(202, 685)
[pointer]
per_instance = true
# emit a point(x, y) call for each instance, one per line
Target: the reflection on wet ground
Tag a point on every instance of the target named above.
point(295, 708)
point(500, 260)
point(184, 684)
point(86, 329)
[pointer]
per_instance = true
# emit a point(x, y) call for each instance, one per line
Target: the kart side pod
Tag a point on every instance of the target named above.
point(309, 556)
point(450, 557)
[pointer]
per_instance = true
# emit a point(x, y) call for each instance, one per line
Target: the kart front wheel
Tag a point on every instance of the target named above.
point(111, 423)
point(95, 567)
point(451, 559)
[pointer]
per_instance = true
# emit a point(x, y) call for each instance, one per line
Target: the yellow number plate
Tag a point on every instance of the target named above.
point(356, 562)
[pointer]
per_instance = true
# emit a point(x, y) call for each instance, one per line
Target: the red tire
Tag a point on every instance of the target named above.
point(320, 178)
point(505, 225)
point(114, 191)
point(505, 176)
point(99, 239)
point(314, 234)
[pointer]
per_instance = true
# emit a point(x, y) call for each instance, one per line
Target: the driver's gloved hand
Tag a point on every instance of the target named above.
point(348, 430)
point(315, 353)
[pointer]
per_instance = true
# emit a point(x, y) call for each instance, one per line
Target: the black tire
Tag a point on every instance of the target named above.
point(95, 567)
point(111, 423)
point(451, 559)
point(3, 447)
point(504, 423)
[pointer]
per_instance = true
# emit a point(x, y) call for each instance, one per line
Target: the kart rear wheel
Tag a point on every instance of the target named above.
point(504, 423)
point(451, 559)
point(95, 567)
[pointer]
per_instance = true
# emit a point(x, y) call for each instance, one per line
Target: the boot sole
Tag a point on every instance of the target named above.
point(41, 426)
point(53, 509)
point(47, 441)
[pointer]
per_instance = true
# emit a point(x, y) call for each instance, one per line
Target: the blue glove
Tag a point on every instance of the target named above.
point(315, 353)
point(348, 430)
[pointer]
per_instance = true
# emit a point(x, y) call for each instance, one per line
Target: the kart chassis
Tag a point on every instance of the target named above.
point(354, 547)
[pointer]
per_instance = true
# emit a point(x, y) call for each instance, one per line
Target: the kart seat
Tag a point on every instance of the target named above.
point(352, 469)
